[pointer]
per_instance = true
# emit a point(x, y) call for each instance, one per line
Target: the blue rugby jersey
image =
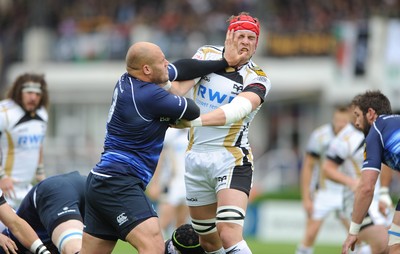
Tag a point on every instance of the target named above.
point(382, 144)
point(139, 116)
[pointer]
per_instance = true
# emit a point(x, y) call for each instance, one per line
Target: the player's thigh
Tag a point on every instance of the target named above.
point(94, 245)
point(146, 235)
point(203, 212)
point(232, 197)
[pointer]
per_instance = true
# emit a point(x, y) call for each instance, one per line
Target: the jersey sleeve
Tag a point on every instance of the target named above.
point(165, 104)
point(338, 151)
point(258, 83)
point(313, 146)
point(373, 151)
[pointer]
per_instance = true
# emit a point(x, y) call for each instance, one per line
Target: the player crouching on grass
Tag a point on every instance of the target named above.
point(21, 229)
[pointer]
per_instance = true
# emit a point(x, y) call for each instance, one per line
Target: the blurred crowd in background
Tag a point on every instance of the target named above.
point(83, 30)
point(86, 31)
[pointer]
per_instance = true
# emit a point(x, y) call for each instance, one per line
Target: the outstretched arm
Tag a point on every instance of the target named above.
point(238, 108)
point(21, 229)
point(362, 201)
point(305, 181)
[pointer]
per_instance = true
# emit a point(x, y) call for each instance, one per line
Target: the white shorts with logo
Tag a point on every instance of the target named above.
point(210, 170)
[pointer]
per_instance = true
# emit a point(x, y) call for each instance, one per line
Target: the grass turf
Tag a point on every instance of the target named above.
point(257, 247)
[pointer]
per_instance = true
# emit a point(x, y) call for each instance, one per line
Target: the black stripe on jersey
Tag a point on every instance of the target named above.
point(361, 145)
point(27, 117)
point(2, 200)
point(257, 89)
point(314, 155)
point(239, 139)
point(336, 159)
point(232, 75)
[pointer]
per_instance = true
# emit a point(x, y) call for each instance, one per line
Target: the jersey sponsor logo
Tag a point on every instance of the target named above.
point(30, 140)
point(208, 93)
point(221, 179)
point(66, 210)
point(238, 88)
point(122, 218)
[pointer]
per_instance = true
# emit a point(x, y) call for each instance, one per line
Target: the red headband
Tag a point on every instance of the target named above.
point(244, 22)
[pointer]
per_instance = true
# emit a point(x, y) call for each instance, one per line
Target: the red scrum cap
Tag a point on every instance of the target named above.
point(244, 22)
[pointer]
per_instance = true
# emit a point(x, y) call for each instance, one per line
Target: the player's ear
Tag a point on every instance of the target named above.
point(146, 69)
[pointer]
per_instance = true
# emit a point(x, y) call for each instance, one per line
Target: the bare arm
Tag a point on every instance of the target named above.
point(40, 173)
point(19, 227)
point(331, 170)
point(362, 201)
point(305, 178)
point(364, 194)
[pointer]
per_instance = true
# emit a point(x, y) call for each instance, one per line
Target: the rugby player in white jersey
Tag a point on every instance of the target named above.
point(320, 195)
point(343, 165)
point(219, 161)
point(23, 124)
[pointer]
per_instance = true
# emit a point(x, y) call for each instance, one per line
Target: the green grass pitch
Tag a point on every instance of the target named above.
point(256, 246)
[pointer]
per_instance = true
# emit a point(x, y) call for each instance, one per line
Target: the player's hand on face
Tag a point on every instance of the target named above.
point(231, 53)
point(349, 243)
point(7, 186)
point(181, 124)
point(8, 245)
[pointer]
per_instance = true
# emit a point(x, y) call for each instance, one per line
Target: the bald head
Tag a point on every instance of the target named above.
point(141, 53)
point(146, 61)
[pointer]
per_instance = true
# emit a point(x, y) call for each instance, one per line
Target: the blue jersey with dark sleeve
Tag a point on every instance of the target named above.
point(139, 116)
point(382, 144)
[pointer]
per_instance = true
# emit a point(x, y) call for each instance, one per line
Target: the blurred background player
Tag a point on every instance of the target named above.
point(23, 124)
point(168, 185)
point(54, 209)
point(343, 165)
point(184, 240)
point(320, 195)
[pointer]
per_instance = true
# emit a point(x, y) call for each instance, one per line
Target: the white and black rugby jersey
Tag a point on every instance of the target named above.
point(216, 89)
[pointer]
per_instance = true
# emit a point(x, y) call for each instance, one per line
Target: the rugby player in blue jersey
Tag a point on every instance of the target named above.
point(382, 146)
point(141, 111)
point(21, 229)
point(54, 209)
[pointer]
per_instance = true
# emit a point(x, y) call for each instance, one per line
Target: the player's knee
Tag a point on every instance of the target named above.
point(230, 214)
point(230, 220)
point(204, 227)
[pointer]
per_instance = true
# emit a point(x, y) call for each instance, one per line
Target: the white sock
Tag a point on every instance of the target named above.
point(220, 251)
point(304, 250)
point(239, 248)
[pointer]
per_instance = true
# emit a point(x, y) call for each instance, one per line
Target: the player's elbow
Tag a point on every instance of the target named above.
point(192, 111)
point(366, 189)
